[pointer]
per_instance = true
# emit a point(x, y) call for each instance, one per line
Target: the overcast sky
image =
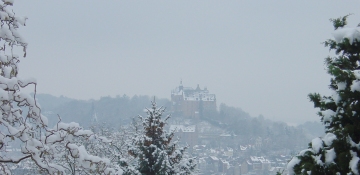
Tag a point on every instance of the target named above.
point(261, 56)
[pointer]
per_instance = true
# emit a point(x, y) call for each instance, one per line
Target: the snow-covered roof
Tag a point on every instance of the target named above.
point(243, 148)
point(225, 135)
point(226, 163)
point(190, 94)
point(214, 158)
point(178, 128)
point(199, 146)
point(255, 159)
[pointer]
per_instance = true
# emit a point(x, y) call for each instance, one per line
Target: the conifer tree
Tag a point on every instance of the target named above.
point(153, 150)
point(339, 150)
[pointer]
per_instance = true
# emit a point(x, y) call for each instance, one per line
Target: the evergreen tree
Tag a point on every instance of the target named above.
point(338, 151)
point(153, 150)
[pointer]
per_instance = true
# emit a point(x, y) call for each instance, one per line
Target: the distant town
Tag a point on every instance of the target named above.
point(189, 105)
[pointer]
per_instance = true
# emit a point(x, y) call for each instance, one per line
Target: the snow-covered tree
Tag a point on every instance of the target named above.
point(112, 143)
point(153, 151)
point(339, 150)
point(54, 150)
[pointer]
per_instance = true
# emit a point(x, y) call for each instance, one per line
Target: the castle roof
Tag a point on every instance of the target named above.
point(190, 94)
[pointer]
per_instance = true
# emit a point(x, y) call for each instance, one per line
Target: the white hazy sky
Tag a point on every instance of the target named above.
point(261, 56)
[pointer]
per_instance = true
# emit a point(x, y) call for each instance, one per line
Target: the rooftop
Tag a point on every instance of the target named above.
point(182, 128)
point(190, 94)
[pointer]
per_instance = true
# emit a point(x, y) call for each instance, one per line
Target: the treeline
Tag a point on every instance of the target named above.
point(273, 134)
point(114, 111)
point(119, 110)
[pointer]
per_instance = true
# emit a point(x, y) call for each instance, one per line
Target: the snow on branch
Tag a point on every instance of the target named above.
point(57, 150)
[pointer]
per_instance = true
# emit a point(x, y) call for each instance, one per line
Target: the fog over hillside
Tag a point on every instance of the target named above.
point(237, 87)
point(115, 111)
point(120, 110)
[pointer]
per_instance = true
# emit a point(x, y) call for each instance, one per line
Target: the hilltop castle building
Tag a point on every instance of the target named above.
point(192, 103)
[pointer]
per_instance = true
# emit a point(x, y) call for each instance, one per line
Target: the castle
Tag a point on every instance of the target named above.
point(192, 103)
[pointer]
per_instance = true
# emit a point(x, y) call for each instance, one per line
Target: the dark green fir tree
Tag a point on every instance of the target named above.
point(339, 150)
point(153, 150)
